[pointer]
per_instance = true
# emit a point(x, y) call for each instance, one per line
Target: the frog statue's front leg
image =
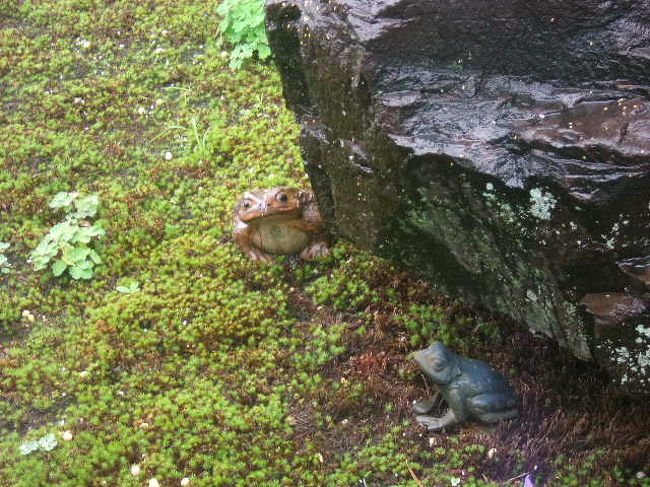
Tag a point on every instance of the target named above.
point(433, 423)
point(427, 405)
point(456, 414)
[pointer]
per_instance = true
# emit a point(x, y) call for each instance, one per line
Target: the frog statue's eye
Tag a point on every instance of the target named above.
point(283, 198)
point(439, 364)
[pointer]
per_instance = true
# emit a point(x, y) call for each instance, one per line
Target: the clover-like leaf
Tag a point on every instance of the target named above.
point(95, 257)
point(132, 288)
point(59, 267)
point(76, 255)
point(63, 232)
point(4, 246)
point(78, 272)
point(85, 234)
point(86, 206)
point(63, 199)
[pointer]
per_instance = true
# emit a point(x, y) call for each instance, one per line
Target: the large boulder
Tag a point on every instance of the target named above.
point(500, 149)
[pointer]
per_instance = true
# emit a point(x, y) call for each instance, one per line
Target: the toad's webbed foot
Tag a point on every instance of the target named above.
point(319, 248)
point(259, 256)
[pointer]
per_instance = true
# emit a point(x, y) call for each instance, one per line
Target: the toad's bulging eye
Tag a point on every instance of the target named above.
point(283, 198)
point(246, 205)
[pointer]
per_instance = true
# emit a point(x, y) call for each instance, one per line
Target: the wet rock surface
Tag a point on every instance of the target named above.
point(500, 150)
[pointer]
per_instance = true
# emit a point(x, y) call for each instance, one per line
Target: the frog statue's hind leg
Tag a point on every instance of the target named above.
point(493, 407)
point(456, 414)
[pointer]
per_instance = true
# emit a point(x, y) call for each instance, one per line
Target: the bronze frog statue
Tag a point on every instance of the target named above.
point(279, 221)
point(472, 389)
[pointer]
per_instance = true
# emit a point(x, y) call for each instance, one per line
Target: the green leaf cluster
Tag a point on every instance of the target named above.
point(66, 246)
point(243, 27)
point(4, 261)
point(132, 288)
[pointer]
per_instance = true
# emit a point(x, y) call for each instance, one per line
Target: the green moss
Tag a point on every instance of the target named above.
point(214, 369)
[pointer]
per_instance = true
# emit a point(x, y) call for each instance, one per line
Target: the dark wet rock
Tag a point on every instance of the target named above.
point(501, 150)
point(638, 270)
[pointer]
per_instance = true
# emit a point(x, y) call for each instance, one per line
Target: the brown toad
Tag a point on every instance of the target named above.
point(279, 221)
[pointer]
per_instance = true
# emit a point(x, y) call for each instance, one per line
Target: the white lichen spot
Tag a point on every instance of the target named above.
point(636, 362)
point(542, 202)
point(643, 331)
point(531, 296)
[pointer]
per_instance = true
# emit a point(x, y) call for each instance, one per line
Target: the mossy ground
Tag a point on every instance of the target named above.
point(220, 370)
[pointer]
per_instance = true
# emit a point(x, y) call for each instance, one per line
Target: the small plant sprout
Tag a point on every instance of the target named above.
point(4, 262)
point(132, 288)
point(66, 246)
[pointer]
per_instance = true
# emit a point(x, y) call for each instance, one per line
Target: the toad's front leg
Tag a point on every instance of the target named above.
point(243, 238)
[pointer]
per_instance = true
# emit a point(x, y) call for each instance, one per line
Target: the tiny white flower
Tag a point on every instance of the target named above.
point(142, 110)
point(185, 481)
point(135, 470)
point(168, 156)
point(28, 314)
point(159, 50)
point(492, 452)
point(66, 435)
point(153, 483)
point(224, 54)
